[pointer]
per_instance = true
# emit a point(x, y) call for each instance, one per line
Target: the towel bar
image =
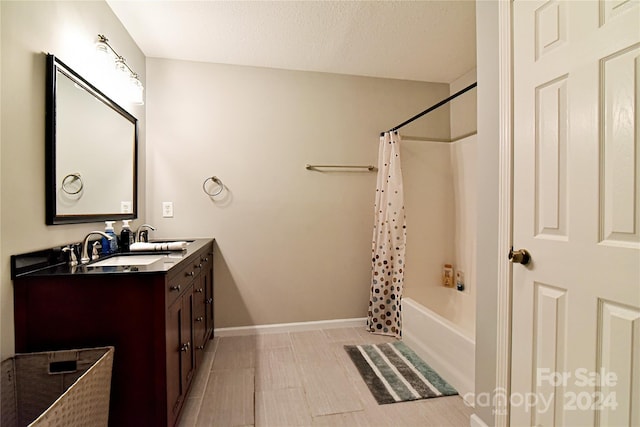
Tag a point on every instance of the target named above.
point(368, 167)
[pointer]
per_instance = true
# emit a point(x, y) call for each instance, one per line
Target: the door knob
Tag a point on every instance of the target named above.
point(521, 256)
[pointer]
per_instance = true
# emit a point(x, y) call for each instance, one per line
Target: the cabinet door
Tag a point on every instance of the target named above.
point(199, 320)
point(180, 357)
point(175, 389)
point(207, 283)
point(187, 357)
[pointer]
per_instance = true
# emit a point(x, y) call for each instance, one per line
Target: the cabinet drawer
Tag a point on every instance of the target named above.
point(203, 261)
point(206, 258)
point(178, 282)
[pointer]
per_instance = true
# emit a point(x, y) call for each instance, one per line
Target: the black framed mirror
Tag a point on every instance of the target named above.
point(91, 151)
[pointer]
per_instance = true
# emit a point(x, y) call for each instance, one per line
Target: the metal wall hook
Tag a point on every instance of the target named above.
point(217, 181)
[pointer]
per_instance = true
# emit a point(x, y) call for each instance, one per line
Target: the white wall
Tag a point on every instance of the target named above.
point(464, 125)
point(464, 117)
point(28, 31)
point(487, 208)
point(293, 245)
point(463, 165)
point(429, 206)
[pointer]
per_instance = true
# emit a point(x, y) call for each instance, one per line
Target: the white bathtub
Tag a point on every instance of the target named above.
point(441, 344)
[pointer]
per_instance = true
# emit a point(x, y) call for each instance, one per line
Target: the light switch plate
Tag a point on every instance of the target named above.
point(167, 209)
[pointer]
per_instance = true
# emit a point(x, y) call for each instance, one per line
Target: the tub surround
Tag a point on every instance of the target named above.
point(442, 344)
point(159, 319)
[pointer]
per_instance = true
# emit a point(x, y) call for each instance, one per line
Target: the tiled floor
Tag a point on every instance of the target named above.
point(300, 379)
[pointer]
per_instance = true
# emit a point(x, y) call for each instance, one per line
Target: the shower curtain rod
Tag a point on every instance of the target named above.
point(433, 107)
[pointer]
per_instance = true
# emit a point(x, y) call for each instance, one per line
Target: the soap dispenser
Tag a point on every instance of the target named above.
point(126, 236)
point(109, 246)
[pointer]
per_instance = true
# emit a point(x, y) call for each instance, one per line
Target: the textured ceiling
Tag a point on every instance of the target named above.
point(413, 40)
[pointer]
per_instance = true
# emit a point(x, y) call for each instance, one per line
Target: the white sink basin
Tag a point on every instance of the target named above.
point(121, 260)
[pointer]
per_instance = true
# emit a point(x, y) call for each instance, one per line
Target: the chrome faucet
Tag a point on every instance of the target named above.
point(95, 251)
point(143, 235)
point(85, 245)
point(73, 259)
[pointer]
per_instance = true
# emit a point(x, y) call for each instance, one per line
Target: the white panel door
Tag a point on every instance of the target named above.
point(576, 195)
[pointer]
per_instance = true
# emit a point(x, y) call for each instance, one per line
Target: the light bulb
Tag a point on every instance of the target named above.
point(137, 91)
point(121, 66)
point(123, 81)
point(102, 47)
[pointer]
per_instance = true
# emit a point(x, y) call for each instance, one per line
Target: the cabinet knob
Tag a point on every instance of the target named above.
point(200, 347)
point(175, 288)
point(199, 265)
point(209, 301)
point(199, 319)
point(185, 347)
point(199, 290)
point(190, 274)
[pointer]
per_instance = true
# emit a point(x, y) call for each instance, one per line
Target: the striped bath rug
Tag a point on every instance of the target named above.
point(394, 373)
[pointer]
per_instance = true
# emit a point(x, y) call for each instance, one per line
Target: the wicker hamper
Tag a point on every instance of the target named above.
point(58, 388)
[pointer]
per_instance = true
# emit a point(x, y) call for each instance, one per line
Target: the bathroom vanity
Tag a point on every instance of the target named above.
point(158, 316)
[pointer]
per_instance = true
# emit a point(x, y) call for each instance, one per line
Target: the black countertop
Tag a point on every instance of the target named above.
point(52, 262)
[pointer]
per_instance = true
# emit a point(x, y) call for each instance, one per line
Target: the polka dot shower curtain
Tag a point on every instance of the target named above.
point(389, 239)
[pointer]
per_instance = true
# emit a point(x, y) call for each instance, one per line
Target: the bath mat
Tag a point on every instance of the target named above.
point(394, 373)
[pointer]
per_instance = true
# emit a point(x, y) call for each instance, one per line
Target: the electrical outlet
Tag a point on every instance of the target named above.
point(167, 209)
point(126, 207)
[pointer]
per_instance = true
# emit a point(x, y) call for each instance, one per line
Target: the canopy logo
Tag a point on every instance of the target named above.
point(550, 390)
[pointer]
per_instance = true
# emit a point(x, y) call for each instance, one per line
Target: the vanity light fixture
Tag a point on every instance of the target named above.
point(132, 83)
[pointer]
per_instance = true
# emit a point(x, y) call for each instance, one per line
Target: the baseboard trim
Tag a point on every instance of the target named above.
point(290, 327)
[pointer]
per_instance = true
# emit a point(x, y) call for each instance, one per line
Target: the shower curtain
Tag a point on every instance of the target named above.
point(389, 239)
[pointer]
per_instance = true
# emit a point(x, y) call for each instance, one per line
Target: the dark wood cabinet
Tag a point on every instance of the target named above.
point(181, 362)
point(203, 305)
point(158, 322)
